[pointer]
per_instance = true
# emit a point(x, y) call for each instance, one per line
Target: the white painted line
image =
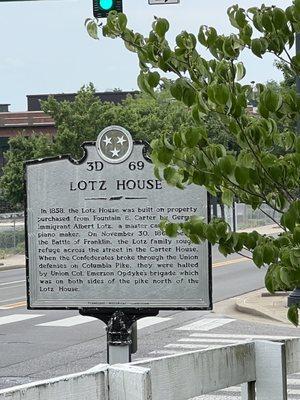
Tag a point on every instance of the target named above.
point(148, 321)
point(12, 299)
point(184, 346)
point(166, 352)
point(10, 287)
point(79, 319)
point(205, 324)
point(223, 335)
point(68, 322)
point(191, 340)
point(10, 283)
point(17, 318)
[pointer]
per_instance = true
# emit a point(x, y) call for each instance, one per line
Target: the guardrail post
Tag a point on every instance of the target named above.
point(271, 377)
point(248, 391)
point(127, 382)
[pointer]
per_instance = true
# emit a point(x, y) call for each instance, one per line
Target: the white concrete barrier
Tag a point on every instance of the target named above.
point(260, 366)
point(89, 385)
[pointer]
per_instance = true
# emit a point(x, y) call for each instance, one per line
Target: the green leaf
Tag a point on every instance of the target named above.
point(171, 229)
point(227, 164)
point(296, 235)
point(257, 17)
point(270, 279)
point(153, 79)
point(122, 21)
point(92, 29)
point(222, 94)
point(199, 178)
point(211, 234)
point(267, 21)
point(165, 156)
point(288, 220)
point(279, 18)
point(268, 254)
point(228, 48)
point(240, 18)
point(197, 227)
point(169, 173)
point(143, 84)
point(258, 256)
point(221, 229)
point(272, 100)
point(240, 71)
point(241, 175)
point(227, 197)
point(176, 90)
point(297, 5)
point(195, 239)
point(256, 47)
point(201, 36)
point(189, 96)
point(293, 315)
point(251, 240)
point(177, 139)
point(161, 27)
point(192, 137)
point(157, 174)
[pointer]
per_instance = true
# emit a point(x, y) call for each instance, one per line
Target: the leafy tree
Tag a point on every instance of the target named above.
point(289, 79)
point(214, 87)
point(21, 149)
point(82, 120)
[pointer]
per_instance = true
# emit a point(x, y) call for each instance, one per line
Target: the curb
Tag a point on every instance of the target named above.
point(242, 306)
point(8, 267)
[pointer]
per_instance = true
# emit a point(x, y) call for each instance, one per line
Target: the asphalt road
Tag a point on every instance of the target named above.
point(39, 344)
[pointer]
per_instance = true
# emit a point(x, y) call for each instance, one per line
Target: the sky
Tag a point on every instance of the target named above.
point(45, 47)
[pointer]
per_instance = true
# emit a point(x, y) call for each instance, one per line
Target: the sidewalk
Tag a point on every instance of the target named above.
point(263, 304)
point(12, 262)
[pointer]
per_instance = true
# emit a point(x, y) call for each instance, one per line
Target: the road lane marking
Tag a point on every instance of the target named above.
point(79, 319)
point(168, 352)
point(12, 299)
point(184, 346)
point(148, 321)
point(195, 340)
point(229, 262)
point(205, 324)
point(10, 283)
point(229, 336)
point(18, 318)
point(10, 287)
point(14, 305)
point(68, 322)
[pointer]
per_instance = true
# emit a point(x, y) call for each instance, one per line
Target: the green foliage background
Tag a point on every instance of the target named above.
point(265, 167)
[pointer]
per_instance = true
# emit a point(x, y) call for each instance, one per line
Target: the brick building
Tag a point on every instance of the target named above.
point(36, 121)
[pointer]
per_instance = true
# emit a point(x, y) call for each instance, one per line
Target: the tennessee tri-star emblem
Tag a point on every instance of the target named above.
point(114, 144)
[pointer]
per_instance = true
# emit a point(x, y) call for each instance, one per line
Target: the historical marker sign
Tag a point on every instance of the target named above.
point(93, 238)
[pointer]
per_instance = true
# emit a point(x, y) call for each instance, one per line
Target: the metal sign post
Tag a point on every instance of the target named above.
point(121, 331)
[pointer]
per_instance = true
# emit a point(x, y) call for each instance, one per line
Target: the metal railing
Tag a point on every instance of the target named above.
point(12, 234)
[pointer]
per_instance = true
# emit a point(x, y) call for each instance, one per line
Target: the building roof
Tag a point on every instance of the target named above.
point(33, 100)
